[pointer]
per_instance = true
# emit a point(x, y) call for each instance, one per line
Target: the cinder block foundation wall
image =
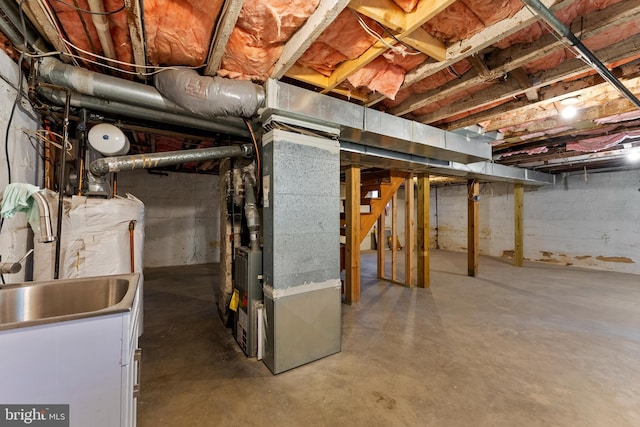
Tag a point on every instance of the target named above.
point(587, 221)
point(182, 217)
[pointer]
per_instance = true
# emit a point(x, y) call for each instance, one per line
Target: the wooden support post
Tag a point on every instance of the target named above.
point(518, 219)
point(381, 246)
point(408, 231)
point(352, 255)
point(473, 198)
point(424, 227)
point(394, 236)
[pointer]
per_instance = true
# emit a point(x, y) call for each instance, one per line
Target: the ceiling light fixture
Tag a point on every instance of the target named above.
point(634, 155)
point(568, 112)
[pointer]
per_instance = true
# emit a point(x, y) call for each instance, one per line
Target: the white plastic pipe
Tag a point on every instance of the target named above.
point(101, 22)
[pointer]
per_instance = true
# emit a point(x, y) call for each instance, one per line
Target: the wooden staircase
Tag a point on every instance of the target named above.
point(376, 190)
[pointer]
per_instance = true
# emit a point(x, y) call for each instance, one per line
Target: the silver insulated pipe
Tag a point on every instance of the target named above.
point(101, 167)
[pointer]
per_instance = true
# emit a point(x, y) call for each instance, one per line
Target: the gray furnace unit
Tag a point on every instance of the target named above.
point(248, 271)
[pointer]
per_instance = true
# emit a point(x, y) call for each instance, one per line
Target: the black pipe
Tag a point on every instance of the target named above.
point(61, 181)
point(593, 61)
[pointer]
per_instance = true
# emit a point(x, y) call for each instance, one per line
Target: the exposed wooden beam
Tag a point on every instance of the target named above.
point(386, 12)
point(427, 44)
point(424, 228)
point(43, 22)
point(136, 32)
point(425, 10)
point(226, 23)
point(513, 58)
point(523, 80)
point(394, 236)
point(352, 254)
point(381, 246)
point(518, 219)
point(409, 239)
point(324, 14)
point(473, 227)
point(568, 70)
point(465, 48)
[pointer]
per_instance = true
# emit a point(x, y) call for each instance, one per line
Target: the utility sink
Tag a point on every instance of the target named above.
point(37, 303)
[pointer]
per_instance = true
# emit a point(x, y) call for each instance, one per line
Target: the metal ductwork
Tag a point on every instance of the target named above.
point(11, 26)
point(210, 97)
point(114, 95)
point(101, 167)
point(557, 26)
point(229, 126)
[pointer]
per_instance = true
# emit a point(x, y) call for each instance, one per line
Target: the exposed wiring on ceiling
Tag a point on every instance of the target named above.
point(157, 69)
point(402, 49)
point(79, 9)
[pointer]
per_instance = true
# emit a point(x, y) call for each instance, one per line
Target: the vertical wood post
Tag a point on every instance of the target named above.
point(518, 219)
point(473, 197)
point(352, 248)
point(394, 236)
point(381, 246)
point(424, 226)
point(408, 233)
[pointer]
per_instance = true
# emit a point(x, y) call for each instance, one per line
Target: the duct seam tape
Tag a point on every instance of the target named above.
point(307, 287)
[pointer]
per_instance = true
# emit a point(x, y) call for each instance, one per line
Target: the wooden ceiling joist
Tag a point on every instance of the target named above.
point(425, 10)
point(325, 13)
point(45, 25)
point(226, 23)
point(515, 57)
point(386, 12)
point(136, 32)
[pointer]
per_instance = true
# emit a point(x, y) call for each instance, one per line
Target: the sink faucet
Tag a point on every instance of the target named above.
point(13, 267)
point(46, 230)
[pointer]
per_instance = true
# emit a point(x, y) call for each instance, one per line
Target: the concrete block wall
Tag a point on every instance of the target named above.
point(25, 160)
point(182, 216)
point(587, 222)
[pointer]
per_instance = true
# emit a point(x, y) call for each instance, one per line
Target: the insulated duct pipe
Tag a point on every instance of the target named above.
point(12, 12)
point(223, 125)
point(593, 61)
point(101, 167)
point(208, 96)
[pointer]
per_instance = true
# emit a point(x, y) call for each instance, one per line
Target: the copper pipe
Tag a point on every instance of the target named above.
point(132, 227)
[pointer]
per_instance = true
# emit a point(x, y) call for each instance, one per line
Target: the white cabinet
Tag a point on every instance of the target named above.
point(91, 364)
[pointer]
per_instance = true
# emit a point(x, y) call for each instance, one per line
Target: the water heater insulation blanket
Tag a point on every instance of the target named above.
point(95, 238)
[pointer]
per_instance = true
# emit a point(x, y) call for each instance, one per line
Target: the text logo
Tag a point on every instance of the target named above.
point(34, 415)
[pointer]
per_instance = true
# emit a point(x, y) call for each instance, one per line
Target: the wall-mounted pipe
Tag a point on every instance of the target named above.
point(103, 166)
point(229, 126)
point(592, 60)
point(251, 213)
point(101, 22)
point(208, 96)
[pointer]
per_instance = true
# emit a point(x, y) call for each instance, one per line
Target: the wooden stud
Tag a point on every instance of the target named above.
point(518, 219)
point(473, 197)
point(394, 236)
point(424, 228)
point(381, 246)
point(408, 231)
point(352, 255)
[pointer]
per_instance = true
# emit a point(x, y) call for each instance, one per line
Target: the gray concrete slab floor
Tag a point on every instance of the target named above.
point(540, 345)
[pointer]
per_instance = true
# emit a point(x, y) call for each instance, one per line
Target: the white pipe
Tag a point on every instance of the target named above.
point(101, 22)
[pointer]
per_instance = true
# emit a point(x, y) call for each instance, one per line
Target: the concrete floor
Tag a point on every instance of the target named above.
point(540, 345)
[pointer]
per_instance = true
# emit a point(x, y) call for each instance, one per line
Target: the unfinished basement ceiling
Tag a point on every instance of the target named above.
point(485, 65)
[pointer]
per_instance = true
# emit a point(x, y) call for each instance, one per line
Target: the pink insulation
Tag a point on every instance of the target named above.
point(73, 26)
point(343, 39)
point(465, 18)
point(592, 145)
point(431, 82)
point(259, 36)
point(178, 32)
point(406, 5)
point(379, 75)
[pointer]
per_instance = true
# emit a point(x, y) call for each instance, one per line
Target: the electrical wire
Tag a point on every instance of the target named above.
point(402, 50)
point(79, 9)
